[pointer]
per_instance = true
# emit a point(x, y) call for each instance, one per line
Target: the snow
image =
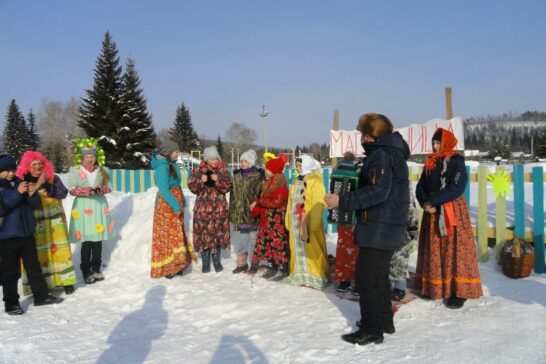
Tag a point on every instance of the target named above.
point(227, 318)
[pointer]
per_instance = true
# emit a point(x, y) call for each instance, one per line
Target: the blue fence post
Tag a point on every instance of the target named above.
point(538, 218)
point(128, 175)
point(147, 179)
point(137, 174)
point(118, 180)
point(519, 201)
point(467, 188)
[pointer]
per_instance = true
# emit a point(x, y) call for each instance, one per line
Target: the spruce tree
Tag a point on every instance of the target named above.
point(15, 135)
point(183, 132)
point(33, 137)
point(136, 131)
point(220, 147)
point(100, 112)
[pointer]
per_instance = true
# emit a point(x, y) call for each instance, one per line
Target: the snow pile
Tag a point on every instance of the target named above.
point(227, 318)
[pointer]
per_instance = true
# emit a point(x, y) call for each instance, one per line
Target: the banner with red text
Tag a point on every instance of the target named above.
point(418, 137)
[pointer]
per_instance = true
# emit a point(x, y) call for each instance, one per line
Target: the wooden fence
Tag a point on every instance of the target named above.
point(514, 182)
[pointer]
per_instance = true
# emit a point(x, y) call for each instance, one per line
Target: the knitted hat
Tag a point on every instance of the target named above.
point(276, 165)
point(249, 156)
point(308, 165)
point(7, 163)
point(210, 153)
point(166, 147)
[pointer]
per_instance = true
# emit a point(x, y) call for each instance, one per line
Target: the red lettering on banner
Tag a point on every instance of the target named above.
point(424, 139)
point(350, 146)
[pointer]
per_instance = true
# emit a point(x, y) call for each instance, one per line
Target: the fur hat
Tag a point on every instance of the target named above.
point(249, 156)
point(210, 153)
point(166, 147)
point(308, 165)
point(7, 163)
point(30, 156)
point(276, 165)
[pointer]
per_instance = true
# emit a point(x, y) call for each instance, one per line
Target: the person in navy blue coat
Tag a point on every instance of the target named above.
point(381, 204)
point(17, 200)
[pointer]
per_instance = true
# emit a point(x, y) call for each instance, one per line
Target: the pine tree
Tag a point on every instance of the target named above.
point(136, 132)
point(100, 112)
point(220, 147)
point(15, 135)
point(183, 132)
point(33, 137)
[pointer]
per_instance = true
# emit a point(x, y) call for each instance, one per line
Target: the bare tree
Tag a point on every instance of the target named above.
point(58, 125)
point(240, 135)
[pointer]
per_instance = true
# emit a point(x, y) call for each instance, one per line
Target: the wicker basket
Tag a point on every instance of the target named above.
point(517, 258)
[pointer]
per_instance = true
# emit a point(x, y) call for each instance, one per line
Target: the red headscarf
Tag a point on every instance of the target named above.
point(448, 142)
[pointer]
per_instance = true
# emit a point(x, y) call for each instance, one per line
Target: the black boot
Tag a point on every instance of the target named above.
point(281, 274)
point(48, 300)
point(14, 309)
point(344, 286)
point(455, 302)
point(398, 294)
point(216, 261)
point(271, 271)
point(88, 276)
point(205, 257)
point(240, 269)
point(362, 338)
point(69, 289)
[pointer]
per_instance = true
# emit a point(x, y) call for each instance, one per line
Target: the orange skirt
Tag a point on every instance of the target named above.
point(171, 251)
point(448, 265)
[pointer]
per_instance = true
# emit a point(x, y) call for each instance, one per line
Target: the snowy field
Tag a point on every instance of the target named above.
point(227, 318)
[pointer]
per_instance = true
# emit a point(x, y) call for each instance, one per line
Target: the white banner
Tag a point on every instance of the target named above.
point(418, 137)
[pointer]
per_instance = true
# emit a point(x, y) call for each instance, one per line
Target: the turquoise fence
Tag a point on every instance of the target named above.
point(141, 180)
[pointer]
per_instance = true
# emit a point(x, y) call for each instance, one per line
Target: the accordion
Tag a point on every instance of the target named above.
point(344, 179)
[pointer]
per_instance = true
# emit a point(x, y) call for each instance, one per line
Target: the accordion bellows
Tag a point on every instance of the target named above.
point(344, 179)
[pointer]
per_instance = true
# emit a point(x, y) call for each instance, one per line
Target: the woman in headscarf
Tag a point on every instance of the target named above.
point(304, 221)
point(447, 266)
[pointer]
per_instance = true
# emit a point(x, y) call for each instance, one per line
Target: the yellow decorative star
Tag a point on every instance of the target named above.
point(500, 182)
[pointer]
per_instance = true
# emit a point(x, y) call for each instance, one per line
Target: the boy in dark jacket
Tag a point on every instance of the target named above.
point(17, 200)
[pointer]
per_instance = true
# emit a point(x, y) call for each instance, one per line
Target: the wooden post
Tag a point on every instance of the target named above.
point(500, 221)
point(538, 219)
point(336, 127)
point(483, 254)
point(449, 105)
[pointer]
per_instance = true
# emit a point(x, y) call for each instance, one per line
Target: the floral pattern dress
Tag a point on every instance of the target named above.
point(272, 238)
point(211, 211)
point(90, 215)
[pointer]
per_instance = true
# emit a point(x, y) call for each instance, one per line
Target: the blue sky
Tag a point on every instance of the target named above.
point(303, 59)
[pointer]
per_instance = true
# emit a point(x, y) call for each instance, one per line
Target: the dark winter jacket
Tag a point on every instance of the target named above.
point(245, 190)
point(382, 201)
point(16, 211)
point(428, 187)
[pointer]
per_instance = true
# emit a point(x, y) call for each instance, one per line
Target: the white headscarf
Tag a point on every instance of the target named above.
point(308, 165)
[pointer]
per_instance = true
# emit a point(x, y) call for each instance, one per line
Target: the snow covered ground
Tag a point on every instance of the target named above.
point(227, 318)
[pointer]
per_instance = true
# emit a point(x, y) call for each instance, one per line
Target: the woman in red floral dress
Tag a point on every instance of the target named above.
point(210, 182)
point(272, 239)
point(447, 266)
